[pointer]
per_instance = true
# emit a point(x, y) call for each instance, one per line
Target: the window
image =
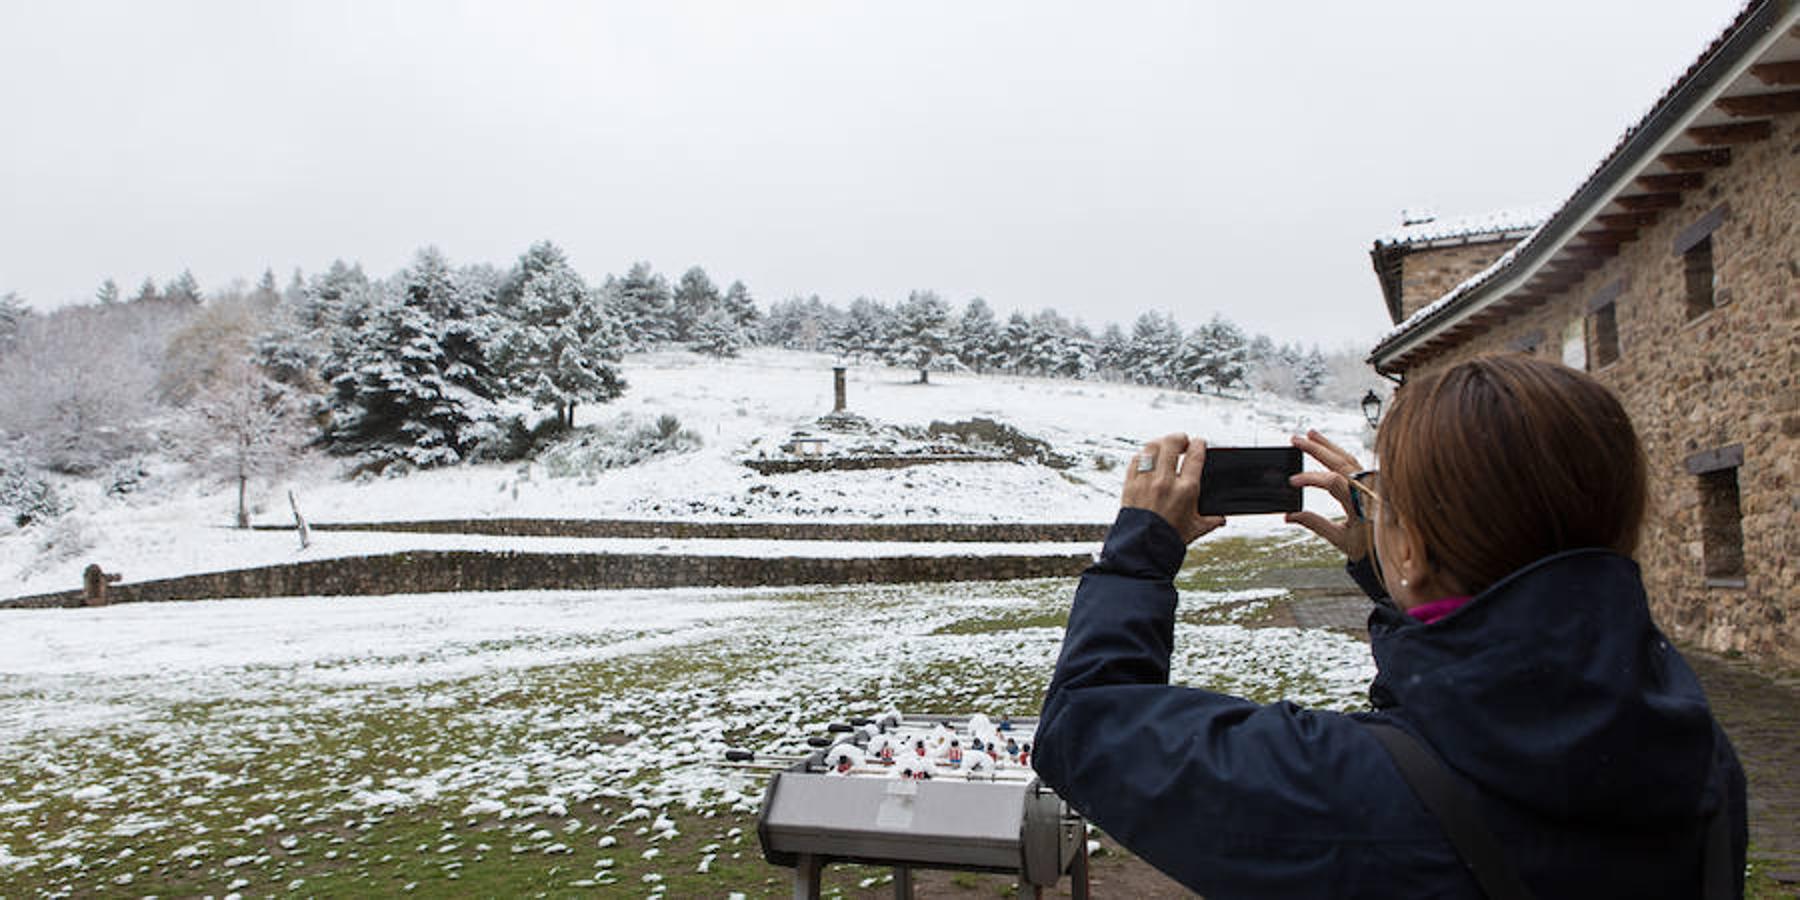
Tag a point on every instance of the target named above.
point(1700, 278)
point(1603, 336)
point(1721, 515)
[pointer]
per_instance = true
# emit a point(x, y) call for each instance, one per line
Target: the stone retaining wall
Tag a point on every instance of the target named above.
point(461, 570)
point(850, 463)
point(907, 532)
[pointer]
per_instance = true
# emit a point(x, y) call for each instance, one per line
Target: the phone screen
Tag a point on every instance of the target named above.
point(1248, 480)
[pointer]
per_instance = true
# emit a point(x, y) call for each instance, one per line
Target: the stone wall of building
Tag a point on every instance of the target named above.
point(1430, 273)
point(1723, 379)
point(460, 570)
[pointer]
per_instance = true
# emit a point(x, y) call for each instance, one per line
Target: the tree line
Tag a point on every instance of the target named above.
point(416, 369)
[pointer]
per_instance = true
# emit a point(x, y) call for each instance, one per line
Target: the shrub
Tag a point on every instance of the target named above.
point(26, 498)
point(625, 441)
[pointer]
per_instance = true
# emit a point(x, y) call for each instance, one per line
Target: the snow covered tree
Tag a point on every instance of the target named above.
point(645, 307)
point(146, 292)
point(12, 312)
point(77, 386)
point(212, 340)
point(799, 323)
point(694, 297)
point(108, 294)
point(183, 289)
point(1215, 356)
point(1312, 374)
point(559, 342)
point(863, 331)
point(738, 303)
point(1111, 350)
point(922, 335)
point(316, 327)
point(240, 426)
point(1018, 340)
point(978, 337)
point(1156, 342)
point(717, 334)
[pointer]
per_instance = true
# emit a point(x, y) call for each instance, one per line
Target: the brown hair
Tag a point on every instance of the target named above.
point(1503, 460)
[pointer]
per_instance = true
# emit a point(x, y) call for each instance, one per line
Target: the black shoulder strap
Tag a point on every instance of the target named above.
point(1448, 799)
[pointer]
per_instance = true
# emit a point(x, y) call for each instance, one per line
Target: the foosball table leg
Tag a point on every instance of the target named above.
point(806, 877)
point(903, 885)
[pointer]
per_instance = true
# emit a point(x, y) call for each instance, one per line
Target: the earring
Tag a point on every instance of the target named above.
point(1403, 582)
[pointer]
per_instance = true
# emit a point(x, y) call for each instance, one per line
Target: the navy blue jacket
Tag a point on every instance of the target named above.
point(1596, 758)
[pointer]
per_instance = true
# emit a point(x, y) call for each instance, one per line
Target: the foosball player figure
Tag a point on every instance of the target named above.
point(975, 744)
point(1025, 756)
point(919, 746)
point(1012, 748)
point(887, 754)
point(956, 754)
point(843, 766)
point(1006, 723)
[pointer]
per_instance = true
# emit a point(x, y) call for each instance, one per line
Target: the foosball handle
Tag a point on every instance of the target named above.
point(818, 741)
point(839, 728)
point(860, 721)
point(740, 756)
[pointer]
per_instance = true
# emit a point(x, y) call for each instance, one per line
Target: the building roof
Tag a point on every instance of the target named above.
point(1422, 230)
point(1725, 97)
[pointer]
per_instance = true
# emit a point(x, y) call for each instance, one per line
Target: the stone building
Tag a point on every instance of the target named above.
point(1673, 275)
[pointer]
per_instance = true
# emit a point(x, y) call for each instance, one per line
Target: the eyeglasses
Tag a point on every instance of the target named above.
point(1364, 483)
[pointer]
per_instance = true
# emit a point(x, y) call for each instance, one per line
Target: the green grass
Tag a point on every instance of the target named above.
point(216, 766)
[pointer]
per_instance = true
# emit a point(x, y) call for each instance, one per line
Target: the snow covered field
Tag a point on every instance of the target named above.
point(516, 743)
point(737, 407)
point(511, 742)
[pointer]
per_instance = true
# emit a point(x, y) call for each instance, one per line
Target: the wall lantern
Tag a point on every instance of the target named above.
point(1371, 407)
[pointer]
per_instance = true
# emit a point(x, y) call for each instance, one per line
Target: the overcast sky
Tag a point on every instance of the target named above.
point(1099, 158)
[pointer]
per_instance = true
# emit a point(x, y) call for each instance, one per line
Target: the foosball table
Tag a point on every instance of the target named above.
point(919, 792)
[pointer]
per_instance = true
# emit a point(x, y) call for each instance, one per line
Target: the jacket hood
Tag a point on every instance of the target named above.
point(1554, 690)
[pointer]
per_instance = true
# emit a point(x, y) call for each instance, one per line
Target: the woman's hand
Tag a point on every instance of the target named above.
point(1349, 534)
point(1165, 479)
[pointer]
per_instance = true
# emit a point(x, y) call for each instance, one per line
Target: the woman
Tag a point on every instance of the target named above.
point(1512, 640)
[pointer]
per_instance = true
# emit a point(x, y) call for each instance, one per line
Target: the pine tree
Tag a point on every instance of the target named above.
point(922, 335)
point(694, 297)
point(108, 293)
point(183, 289)
point(978, 337)
point(559, 341)
point(863, 331)
point(717, 334)
point(1017, 342)
point(146, 292)
point(738, 303)
point(1154, 351)
point(1311, 374)
point(1111, 350)
point(645, 307)
point(12, 312)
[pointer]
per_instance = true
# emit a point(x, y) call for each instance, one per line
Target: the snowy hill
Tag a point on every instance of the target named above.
point(739, 408)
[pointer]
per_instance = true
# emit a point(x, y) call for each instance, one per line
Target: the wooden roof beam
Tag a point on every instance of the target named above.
point(1697, 160)
point(1734, 133)
point(1638, 202)
point(1608, 237)
point(1760, 104)
point(1679, 181)
point(1777, 73)
point(1629, 221)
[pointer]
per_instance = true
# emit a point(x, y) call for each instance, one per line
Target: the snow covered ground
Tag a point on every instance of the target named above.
point(737, 407)
point(524, 741)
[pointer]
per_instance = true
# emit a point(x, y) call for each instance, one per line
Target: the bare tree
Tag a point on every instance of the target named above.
point(243, 425)
point(76, 387)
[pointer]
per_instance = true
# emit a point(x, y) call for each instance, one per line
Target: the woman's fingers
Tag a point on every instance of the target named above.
point(1328, 454)
point(1331, 531)
point(1333, 483)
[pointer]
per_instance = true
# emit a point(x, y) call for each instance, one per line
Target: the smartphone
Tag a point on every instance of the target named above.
point(1247, 480)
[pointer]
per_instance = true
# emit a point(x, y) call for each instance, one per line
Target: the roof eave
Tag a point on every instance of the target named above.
point(1660, 128)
